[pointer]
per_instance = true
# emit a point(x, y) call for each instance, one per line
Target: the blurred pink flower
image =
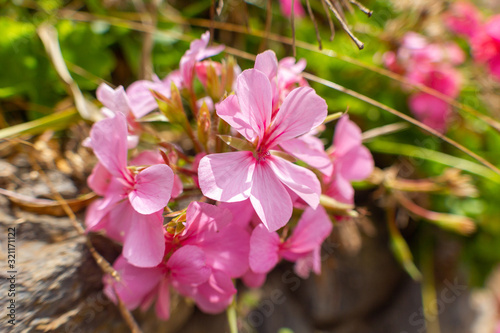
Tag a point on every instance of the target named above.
point(463, 18)
point(351, 161)
point(302, 247)
point(286, 8)
point(486, 46)
point(257, 174)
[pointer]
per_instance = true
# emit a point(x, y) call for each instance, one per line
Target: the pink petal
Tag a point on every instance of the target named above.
point(267, 63)
point(254, 280)
point(188, 267)
point(300, 180)
point(229, 111)
point(305, 148)
point(201, 216)
point(177, 187)
point(347, 136)
point(116, 100)
point(313, 228)
point(269, 198)
point(99, 179)
point(310, 262)
point(144, 244)
point(286, 8)
point(341, 190)
point(109, 141)
point(241, 211)
point(136, 283)
point(301, 111)
point(356, 164)
point(141, 98)
point(255, 99)
point(492, 27)
point(147, 157)
point(121, 216)
point(215, 295)
point(95, 217)
point(153, 188)
point(163, 301)
point(228, 176)
point(264, 247)
point(430, 110)
point(228, 250)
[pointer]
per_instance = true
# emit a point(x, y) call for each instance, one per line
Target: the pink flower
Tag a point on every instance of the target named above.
point(198, 51)
point(286, 8)
point(486, 46)
point(351, 161)
point(284, 75)
point(211, 229)
point(141, 99)
point(116, 101)
point(186, 268)
point(257, 174)
point(149, 157)
point(463, 18)
point(132, 206)
point(430, 64)
point(302, 247)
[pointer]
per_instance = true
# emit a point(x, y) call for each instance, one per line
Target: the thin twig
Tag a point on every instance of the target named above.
point(359, 44)
point(330, 21)
point(311, 15)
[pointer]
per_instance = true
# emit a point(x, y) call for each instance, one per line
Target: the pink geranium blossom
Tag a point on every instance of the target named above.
point(133, 202)
point(285, 76)
point(215, 247)
point(257, 174)
point(198, 51)
point(302, 247)
point(185, 269)
point(351, 160)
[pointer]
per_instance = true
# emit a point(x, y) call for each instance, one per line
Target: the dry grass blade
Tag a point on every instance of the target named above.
point(48, 35)
point(127, 316)
point(384, 130)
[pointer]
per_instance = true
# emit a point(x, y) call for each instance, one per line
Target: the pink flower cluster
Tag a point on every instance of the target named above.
point(271, 121)
point(433, 65)
point(465, 19)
